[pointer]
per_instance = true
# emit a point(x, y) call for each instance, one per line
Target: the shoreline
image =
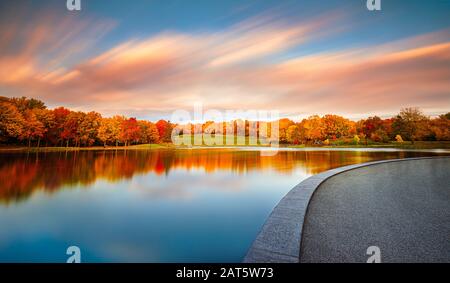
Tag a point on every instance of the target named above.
point(418, 147)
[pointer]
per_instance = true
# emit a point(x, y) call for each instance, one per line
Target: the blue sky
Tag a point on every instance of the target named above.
point(398, 18)
point(147, 58)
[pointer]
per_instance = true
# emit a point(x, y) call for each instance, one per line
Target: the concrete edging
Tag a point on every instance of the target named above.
point(279, 240)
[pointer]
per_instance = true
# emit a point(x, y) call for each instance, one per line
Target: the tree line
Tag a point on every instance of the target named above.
point(408, 125)
point(29, 122)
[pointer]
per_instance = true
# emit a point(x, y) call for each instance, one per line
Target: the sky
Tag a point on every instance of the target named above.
point(148, 58)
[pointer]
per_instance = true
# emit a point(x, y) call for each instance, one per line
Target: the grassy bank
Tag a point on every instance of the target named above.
point(338, 143)
point(404, 145)
point(49, 149)
point(241, 141)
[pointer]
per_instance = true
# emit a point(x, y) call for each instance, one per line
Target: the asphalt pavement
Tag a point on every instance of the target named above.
point(402, 208)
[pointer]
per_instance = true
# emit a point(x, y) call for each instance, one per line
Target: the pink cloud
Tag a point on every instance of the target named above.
point(51, 59)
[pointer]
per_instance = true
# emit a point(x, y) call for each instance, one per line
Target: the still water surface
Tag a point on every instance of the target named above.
point(202, 205)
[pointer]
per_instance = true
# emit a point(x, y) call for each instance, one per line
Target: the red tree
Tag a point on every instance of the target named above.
point(130, 131)
point(165, 130)
point(70, 128)
point(54, 133)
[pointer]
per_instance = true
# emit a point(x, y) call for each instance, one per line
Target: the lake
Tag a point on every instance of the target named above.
point(185, 205)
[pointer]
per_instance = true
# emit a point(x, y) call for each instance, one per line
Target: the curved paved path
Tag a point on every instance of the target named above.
point(401, 207)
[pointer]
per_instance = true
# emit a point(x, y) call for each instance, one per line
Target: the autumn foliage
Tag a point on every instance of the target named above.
point(29, 122)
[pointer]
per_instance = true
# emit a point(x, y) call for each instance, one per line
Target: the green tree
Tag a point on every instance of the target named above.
point(446, 116)
point(407, 123)
point(24, 104)
point(379, 135)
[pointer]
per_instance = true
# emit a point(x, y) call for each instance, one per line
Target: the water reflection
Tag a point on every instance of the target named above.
point(149, 206)
point(22, 174)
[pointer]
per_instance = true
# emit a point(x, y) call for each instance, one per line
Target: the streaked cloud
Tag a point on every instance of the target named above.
point(255, 64)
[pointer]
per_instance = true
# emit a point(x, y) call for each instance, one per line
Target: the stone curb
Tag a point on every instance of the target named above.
point(279, 240)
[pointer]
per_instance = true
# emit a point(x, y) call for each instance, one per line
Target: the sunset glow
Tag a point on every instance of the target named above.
point(249, 58)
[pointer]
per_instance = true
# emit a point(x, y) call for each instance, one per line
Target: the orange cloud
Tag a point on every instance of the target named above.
point(52, 59)
point(371, 79)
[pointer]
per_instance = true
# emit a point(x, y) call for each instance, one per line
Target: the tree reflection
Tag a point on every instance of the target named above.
point(23, 173)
